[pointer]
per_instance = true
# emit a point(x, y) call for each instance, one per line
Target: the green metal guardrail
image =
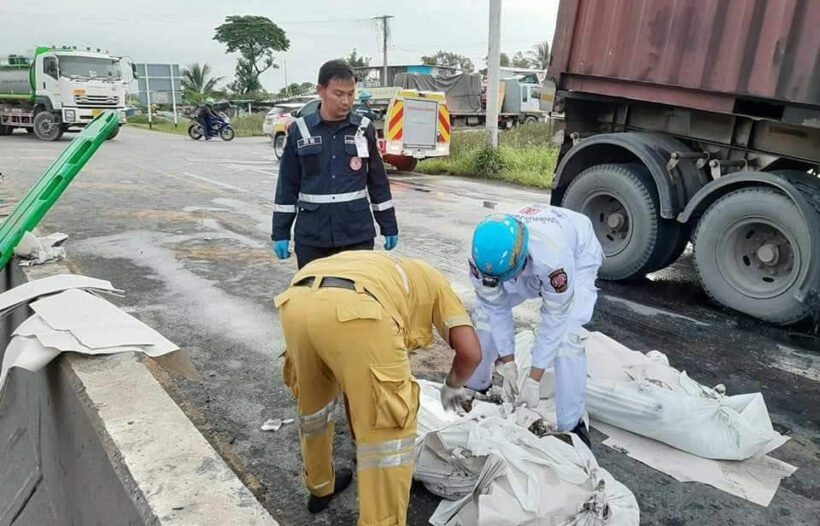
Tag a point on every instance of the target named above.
point(53, 182)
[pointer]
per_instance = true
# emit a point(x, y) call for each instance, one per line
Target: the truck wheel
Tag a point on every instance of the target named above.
point(46, 127)
point(279, 145)
point(530, 119)
point(6, 130)
point(620, 201)
point(751, 246)
point(114, 133)
point(674, 244)
point(404, 164)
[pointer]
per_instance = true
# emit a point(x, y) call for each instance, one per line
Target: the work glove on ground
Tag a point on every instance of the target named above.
point(509, 371)
point(282, 249)
point(530, 393)
point(453, 398)
point(390, 242)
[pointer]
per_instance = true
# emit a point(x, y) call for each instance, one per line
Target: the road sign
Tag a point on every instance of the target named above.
point(159, 84)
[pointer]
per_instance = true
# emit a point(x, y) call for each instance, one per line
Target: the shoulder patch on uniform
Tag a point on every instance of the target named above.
point(474, 270)
point(559, 280)
point(309, 141)
point(529, 210)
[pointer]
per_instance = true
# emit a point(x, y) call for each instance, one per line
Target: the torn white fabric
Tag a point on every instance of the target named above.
point(78, 321)
point(38, 250)
point(496, 472)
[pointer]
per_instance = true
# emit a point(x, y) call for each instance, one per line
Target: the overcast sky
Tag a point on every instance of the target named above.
point(182, 32)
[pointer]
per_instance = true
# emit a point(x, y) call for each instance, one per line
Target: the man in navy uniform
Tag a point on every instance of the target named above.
point(330, 165)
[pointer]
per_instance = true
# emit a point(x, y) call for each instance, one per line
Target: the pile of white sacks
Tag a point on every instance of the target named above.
point(491, 470)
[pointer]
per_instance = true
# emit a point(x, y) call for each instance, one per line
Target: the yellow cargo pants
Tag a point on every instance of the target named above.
point(338, 338)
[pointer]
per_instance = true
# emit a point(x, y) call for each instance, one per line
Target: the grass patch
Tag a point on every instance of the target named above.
point(525, 156)
point(243, 126)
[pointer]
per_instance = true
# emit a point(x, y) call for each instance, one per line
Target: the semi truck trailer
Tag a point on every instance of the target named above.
point(697, 121)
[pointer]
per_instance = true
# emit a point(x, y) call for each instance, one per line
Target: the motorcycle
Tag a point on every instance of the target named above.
point(221, 127)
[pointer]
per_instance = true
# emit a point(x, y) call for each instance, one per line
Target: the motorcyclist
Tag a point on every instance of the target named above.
point(205, 117)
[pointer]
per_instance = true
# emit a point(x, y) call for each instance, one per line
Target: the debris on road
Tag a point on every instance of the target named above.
point(77, 321)
point(274, 424)
point(491, 470)
point(38, 250)
point(48, 189)
point(661, 417)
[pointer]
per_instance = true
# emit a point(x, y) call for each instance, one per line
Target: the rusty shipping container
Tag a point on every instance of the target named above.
point(713, 55)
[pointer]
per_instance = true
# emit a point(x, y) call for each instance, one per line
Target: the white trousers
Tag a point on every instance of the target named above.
point(569, 360)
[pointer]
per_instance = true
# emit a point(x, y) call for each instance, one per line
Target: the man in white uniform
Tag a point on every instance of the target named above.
point(546, 252)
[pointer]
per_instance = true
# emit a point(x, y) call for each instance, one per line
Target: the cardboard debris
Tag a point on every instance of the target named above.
point(26, 292)
point(755, 480)
point(78, 321)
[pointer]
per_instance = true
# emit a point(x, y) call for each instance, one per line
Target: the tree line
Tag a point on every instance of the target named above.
point(257, 38)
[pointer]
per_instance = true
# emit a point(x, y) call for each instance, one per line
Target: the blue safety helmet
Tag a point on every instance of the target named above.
point(364, 96)
point(500, 245)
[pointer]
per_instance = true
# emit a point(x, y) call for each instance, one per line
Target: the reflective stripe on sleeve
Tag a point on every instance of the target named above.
point(288, 209)
point(381, 207)
point(303, 129)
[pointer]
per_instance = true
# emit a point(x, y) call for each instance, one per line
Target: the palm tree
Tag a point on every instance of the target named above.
point(195, 82)
point(540, 55)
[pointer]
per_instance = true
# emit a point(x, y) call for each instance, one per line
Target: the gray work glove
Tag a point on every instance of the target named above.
point(509, 371)
point(530, 393)
point(453, 398)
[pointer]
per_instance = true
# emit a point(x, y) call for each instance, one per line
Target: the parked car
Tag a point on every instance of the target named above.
point(276, 112)
point(280, 126)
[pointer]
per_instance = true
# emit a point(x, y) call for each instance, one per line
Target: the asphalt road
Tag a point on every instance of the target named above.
point(184, 228)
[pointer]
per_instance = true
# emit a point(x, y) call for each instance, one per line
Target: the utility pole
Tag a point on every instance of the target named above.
point(493, 61)
point(385, 34)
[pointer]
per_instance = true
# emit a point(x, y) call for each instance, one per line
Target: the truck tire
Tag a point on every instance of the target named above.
point(6, 130)
point(46, 127)
point(674, 244)
point(114, 133)
point(279, 145)
point(751, 246)
point(621, 202)
point(530, 119)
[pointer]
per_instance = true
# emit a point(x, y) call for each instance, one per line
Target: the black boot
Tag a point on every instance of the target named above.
point(343, 478)
point(582, 433)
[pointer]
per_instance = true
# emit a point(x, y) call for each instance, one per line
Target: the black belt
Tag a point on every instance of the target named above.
point(333, 282)
point(329, 281)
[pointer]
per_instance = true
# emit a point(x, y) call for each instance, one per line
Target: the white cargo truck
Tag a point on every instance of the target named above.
point(60, 89)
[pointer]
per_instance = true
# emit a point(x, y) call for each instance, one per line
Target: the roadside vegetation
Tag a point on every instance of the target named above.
point(525, 156)
point(243, 126)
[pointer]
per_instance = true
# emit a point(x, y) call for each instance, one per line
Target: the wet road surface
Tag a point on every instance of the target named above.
point(184, 228)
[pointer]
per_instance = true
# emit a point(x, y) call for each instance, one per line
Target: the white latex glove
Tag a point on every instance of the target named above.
point(452, 398)
point(509, 371)
point(530, 393)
